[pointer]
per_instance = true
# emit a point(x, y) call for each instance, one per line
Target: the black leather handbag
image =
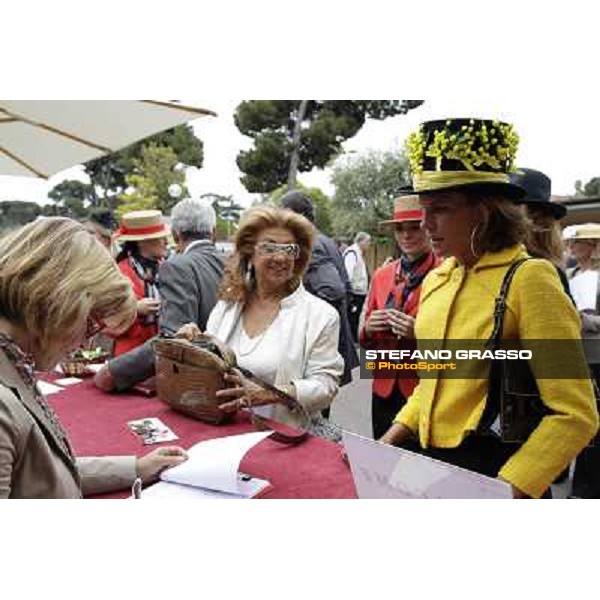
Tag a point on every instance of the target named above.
point(514, 406)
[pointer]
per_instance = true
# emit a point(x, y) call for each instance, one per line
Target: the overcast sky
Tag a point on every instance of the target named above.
point(558, 138)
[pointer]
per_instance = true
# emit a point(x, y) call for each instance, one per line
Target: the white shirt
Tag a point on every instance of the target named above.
point(356, 269)
point(306, 338)
point(259, 354)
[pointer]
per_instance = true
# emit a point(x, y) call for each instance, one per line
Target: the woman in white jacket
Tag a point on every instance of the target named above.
point(279, 331)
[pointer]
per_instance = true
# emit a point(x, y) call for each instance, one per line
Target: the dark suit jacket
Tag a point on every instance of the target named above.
point(327, 279)
point(188, 287)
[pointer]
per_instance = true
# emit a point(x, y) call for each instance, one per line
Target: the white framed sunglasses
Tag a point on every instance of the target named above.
point(271, 248)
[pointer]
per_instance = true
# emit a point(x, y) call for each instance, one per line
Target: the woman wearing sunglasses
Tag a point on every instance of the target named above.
point(50, 301)
point(277, 330)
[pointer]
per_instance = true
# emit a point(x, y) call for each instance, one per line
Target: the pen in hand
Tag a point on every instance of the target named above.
point(136, 489)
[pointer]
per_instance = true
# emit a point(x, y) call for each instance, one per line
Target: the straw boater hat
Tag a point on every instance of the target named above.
point(460, 154)
point(588, 231)
point(141, 225)
point(538, 194)
point(406, 208)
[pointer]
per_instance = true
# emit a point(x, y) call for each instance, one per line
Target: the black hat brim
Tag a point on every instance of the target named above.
point(558, 211)
point(511, 191)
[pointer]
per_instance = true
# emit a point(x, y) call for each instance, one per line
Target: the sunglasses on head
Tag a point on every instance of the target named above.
point(271, 248)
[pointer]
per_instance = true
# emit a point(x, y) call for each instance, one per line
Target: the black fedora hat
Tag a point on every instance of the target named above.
point(537, 186)
point(459, 154)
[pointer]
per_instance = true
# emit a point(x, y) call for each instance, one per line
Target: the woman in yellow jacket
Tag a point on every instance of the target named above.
point(460, 171)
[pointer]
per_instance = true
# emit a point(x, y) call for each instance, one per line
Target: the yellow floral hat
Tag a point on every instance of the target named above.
point(457, 153)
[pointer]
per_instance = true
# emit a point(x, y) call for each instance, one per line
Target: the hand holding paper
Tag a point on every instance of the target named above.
point(149, 467)
point(212, 470)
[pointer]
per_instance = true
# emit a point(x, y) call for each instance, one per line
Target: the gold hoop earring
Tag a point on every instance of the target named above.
point(472, 241)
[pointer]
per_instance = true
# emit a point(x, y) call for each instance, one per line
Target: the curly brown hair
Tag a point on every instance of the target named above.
point(234, 287)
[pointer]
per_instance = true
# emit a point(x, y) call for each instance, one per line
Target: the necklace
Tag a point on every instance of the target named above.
point(25, 367)
point(247, 344)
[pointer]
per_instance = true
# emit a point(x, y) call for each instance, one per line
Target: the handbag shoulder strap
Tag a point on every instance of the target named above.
point(283, 398)
point(492, 406)
point(500, 305)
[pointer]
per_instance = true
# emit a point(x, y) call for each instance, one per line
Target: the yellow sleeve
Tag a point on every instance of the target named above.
point(409, 415)
point(544, 311)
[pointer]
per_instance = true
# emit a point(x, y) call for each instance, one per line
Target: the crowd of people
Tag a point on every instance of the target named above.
point(294, 310)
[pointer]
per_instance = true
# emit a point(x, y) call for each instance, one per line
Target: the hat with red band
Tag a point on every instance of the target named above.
point(406, 208)
point(141, 225)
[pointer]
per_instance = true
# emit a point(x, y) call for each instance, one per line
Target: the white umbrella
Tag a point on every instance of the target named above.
point(39, 138)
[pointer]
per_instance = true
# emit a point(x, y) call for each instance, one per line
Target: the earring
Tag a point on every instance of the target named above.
point(249, 277)
point(472, 241)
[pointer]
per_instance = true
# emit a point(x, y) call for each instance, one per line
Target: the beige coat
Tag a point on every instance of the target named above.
point(35, 461)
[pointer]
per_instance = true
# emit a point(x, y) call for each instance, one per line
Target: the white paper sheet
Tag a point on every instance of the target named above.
point(48, 388)
point(68, 381)
point(214, 464)
point(383, 471)
point(173, 491)
point(584, 289)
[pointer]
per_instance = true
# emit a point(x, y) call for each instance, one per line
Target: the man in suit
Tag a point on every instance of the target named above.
point(188, 282)
point(327, 279)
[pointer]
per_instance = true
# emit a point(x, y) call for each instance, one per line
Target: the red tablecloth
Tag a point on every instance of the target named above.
point(97, 425)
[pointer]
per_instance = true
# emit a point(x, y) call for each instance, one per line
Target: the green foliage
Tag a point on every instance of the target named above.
point(228, 214)
point(592, 188)
point(14, 213)
point(151, 177)
point(109, 173)
point(326, 125)
point(365, 189)
point(321, 201)
point(71, 198)
point(266, 166)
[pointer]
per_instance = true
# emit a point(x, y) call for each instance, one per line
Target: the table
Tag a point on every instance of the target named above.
point(97, 425)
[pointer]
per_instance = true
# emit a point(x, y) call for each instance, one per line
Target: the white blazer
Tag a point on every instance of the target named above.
point(308, 348)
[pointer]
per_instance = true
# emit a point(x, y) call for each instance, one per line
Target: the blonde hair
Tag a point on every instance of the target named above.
point(54, 275)
point(234, 287)
point(544, 239)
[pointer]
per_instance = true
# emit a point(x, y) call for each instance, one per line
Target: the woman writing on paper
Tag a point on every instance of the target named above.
point(50, 302)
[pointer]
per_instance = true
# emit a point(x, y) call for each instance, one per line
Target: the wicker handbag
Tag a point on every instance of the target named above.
point(189, 374)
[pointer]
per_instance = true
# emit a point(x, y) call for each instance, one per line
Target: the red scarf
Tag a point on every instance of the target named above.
point(409, 277)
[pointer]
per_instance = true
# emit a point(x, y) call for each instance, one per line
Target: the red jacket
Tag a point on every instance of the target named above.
point(382, 284)
point(139, 332)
